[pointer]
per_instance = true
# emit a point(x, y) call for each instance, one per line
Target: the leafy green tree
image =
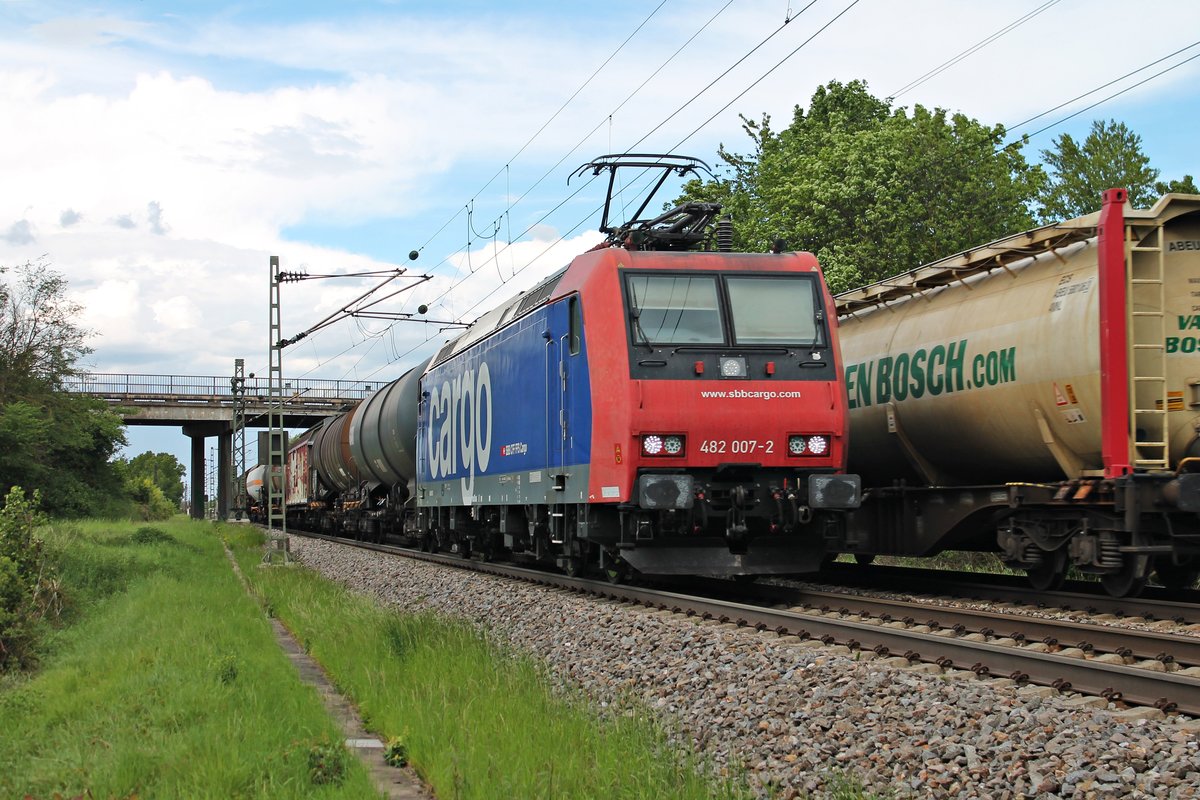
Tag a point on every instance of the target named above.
point(872, 190)
point(162, 469)
point(40, 341)
point(50, 441)
point(1111, 156)
point(1184, 186)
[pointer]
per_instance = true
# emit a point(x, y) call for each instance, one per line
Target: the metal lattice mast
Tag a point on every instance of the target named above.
point(210, 484)
point(275, 463)
point(237, 385)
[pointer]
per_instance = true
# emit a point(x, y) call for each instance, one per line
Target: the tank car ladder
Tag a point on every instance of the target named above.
point(1146, 322)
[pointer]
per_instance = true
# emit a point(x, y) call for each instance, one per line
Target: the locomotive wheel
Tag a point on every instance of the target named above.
point(1177, 576)
point(573, 566)
point(1130, 579)
point(1048, 574)
point(863, 559)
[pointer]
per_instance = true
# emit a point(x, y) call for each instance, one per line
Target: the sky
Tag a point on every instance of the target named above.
point(158, 154)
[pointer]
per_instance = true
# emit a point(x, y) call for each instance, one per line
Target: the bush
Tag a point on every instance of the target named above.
point(150, 501)
point(28, 587)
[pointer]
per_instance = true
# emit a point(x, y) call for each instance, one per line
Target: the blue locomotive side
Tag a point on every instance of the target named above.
point(508, 419)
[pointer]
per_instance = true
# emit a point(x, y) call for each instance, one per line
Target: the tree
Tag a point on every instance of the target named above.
point(1185, 186)
point(161, 469)
point(40, 342)
point(870, 189)
point(1110, 157)
point(52, 442)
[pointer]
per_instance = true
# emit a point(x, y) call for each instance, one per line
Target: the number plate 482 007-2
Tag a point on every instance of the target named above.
point(737, 446)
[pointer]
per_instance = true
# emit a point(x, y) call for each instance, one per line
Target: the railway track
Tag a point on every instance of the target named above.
point(1143, 668)
point(1087, 596)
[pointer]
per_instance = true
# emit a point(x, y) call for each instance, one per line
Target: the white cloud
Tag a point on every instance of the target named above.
point(160, 174)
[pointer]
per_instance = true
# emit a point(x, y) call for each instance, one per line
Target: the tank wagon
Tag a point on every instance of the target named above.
point(1039, 396)
point(653, 405)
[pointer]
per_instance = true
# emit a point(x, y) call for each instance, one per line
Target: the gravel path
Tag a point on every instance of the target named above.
point(795, 713)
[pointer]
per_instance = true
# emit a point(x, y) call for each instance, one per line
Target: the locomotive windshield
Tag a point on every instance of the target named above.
point(675, 309)
point(718, 310)
point(772, 310)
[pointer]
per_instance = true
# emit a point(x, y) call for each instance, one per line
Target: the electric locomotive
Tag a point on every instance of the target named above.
point(661, 404)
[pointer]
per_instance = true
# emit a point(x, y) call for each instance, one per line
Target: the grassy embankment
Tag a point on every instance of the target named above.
point(167, 682)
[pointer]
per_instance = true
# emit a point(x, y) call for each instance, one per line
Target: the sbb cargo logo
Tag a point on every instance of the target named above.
point(940, 369)
point(460, 427)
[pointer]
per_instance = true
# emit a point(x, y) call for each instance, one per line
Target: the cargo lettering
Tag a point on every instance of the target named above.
point(460, 426)
point(1186, 244)
point(940, 369)
point(1183, 344)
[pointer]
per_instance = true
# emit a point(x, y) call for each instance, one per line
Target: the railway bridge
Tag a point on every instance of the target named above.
point(204, 406)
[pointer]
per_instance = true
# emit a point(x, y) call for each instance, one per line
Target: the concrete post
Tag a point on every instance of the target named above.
point(197, 467)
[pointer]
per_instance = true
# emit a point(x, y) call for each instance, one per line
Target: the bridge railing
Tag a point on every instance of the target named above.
point(213, 388)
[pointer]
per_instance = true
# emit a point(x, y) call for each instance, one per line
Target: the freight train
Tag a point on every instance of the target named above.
point(662, 404)
point(1039, 397)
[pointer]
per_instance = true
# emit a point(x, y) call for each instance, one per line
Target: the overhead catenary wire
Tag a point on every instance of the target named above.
point(945, 65)
point(1131, 87)
point(651, 132)
point(506, 215)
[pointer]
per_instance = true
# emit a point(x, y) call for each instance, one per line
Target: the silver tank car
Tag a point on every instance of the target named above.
point(331, 453)
point(383, 432)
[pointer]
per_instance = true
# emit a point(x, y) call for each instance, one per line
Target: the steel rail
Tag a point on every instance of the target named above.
point(1088, 636)
point(1135, 685)
point(1156, 603)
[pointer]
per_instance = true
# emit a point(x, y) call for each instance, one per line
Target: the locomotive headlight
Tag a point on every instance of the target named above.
point(733, 367)
point(808, 444)
point(662, 444)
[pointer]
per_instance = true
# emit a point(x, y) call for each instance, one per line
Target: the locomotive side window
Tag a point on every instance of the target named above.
point(675, 309)
point(576, 325)
point(774, 310)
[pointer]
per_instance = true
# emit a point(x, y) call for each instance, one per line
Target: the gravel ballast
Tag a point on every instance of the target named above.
point(797, 714)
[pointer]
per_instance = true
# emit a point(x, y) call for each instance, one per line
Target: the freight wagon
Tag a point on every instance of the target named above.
point(1039, 396)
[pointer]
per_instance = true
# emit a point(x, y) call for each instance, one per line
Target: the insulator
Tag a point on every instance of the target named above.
point(725, 234)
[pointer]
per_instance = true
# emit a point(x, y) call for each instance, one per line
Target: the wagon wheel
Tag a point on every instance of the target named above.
point(1177, 576)
point(616, 571)
point(1130, 579)
point(1049, 573)
point(573, 566)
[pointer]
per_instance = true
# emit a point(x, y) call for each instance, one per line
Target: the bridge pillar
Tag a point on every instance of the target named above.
point(197, 470)
point(224, 468)
point(197, 432)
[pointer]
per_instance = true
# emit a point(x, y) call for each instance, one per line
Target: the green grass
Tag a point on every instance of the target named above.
point(477, 722)
point(168, 683)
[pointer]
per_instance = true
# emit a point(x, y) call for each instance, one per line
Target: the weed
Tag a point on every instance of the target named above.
point(327, 761)
point(226, 668)
point(396, 752)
